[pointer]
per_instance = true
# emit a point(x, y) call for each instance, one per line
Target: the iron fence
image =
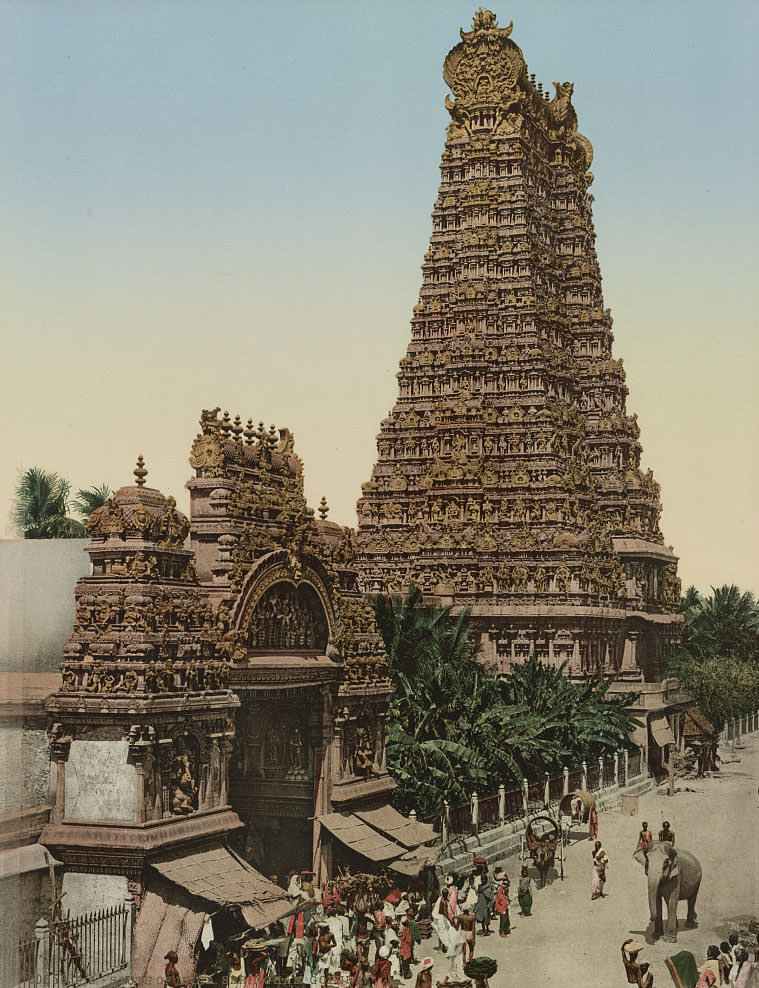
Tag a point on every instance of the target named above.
point(70, 952)
point(608, 774)
point(556, 789)
point(460, 817)
point(594, 783)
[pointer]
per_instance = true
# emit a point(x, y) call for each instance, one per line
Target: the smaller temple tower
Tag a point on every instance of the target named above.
point(141, 727)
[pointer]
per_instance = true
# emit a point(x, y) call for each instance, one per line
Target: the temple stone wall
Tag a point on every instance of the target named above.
point(37, 580)
point(100, 784)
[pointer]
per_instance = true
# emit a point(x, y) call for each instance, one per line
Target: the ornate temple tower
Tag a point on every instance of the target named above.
point(141, 726)
point(508, 475)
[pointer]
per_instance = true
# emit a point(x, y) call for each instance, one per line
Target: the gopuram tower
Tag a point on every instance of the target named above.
point(508, 475)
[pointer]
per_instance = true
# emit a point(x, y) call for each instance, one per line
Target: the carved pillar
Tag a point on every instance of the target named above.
point(163, 789)
point(630, 652)
point(140, 754)
point(225, 747)
point(136, 890)
point(321, 855)
point(59, 752)
point(212, 795)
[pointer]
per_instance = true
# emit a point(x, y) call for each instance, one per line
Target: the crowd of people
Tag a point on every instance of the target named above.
point(332, 939)
point(727, 964)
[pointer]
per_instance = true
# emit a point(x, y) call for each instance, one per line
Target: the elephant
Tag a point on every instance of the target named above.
point(672, 875)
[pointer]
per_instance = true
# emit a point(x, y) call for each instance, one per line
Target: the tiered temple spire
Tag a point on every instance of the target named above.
point(508, 475)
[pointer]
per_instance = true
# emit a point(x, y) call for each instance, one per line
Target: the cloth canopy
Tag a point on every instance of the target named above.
point(413, 861)
point(161, 927)
point(399, 828)
point(661, 730)
point(218, 875)
point(360, 837)
point(638, 736)
point(697, 726)
point(383, 835)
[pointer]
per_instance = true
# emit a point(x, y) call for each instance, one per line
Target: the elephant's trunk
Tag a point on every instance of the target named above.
point(654, 906)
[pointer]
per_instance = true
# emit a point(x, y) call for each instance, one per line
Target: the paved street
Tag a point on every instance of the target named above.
point(573, 941)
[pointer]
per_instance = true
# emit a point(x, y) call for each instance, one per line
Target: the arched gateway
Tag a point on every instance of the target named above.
point(226, 690)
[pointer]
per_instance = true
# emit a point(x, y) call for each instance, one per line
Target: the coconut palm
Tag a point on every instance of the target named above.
point(40, 510)
point(86, 501)
point(724, 624)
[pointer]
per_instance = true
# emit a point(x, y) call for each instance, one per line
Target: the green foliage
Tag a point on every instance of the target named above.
point(725, 624)
point(40, 510)
point(455, 726)
point(87, 500)
point(716, 660)
point(723, 688)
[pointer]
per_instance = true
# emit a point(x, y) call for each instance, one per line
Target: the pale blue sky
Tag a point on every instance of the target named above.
point(228, 203)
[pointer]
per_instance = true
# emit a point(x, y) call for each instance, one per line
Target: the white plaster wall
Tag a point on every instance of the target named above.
point(37, 580)
point(25, 756)
point(100, 784)
point(84, 893)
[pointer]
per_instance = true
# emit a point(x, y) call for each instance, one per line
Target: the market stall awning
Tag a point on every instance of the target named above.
point(352, 831)
point(697, 726)
point(409, 833)
point(661, 730)
point(412, 862)
point(160, 927)
point(218, 875)
point(638, 736)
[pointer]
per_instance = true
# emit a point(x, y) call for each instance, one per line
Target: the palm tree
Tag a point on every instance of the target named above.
point(87, 500)
point(40, 510)
point(724, 624)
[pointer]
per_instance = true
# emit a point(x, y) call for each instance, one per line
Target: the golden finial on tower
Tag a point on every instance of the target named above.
point(140, 471)
point(323, 508)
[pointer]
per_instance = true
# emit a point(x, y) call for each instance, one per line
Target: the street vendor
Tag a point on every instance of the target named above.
point(424, 977)
point(637, 974)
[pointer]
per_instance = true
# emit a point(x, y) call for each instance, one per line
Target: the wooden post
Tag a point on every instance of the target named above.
point(502, 804)
point(584, 785)
point(627, 766)
point(616, 768)
point(525, 797)
point(445, 823)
